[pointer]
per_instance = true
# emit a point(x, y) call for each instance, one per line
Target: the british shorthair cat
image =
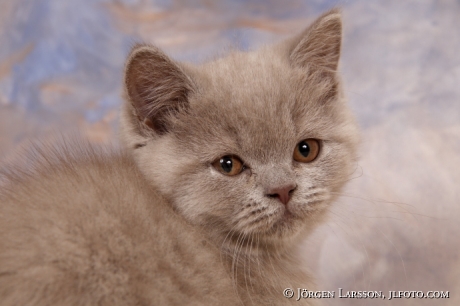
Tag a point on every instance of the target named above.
point(225, 168)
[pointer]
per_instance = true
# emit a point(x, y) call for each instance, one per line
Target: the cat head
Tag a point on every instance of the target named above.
point(255, 143)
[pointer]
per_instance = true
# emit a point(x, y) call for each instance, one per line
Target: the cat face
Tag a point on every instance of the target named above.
point(256, 143)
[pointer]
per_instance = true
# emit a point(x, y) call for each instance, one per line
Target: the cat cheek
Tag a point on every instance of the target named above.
point(161, 166)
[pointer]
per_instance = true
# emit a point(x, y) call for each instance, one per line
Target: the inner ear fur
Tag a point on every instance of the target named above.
point(156, 87)
point(319, 45)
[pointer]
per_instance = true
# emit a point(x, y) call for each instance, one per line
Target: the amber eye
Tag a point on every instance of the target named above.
point(306, 150)
point(229, 165)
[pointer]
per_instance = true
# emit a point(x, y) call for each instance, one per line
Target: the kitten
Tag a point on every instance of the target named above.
point(226, 167)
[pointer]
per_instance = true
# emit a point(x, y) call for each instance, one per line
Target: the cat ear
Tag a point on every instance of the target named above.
point(319, 45)
point(156, 87)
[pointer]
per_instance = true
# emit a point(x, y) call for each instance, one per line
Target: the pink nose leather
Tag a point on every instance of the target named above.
point(282, 193)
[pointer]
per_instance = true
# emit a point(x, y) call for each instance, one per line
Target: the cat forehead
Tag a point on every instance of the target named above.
point(250, 87)
point(260, 81)
point(248, 75)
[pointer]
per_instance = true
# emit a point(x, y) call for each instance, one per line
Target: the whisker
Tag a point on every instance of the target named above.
point(362, 245)
point(398, 204)
point(248, 274)
point(235, 264)
point(396, 249)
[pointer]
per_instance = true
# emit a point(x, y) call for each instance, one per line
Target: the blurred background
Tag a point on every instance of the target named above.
point(396, 226)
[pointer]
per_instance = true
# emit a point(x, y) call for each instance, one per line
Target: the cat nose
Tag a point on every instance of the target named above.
point(282, 193)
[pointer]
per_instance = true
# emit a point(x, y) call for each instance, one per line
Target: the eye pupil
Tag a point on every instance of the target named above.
point(304, 148)
point(226, 164)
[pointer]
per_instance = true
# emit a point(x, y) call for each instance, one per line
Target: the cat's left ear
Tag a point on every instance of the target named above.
point(319, 45)
point(156, 87)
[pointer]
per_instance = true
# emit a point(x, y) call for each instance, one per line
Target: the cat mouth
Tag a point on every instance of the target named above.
point(266, 223)
point(283, 224)
point(286, 219)
point(287, 215)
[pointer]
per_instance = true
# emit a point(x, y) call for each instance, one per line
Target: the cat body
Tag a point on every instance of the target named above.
point(226, 167)
point(90, 231)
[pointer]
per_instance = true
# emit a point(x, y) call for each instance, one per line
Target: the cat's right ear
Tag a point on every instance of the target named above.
point(319, 45)
point(156, 88)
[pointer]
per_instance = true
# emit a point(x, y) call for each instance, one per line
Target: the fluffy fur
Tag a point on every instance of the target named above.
point(157, 223)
